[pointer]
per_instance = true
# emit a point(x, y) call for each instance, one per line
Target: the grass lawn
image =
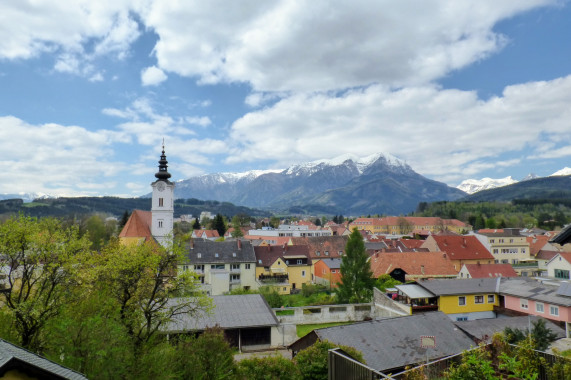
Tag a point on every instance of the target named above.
point(303, 330)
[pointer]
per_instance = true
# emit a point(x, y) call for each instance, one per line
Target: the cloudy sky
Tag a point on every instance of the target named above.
point(457, 89)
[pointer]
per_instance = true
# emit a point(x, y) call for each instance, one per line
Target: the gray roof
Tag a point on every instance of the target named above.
point(395, 342)
point(484, 329)
point(332, 263)
point(10, 353)
point(230, 312)
point(414, 291)
point(533, 290)
point(377, 246)
point(207, 252)
point(461, 286)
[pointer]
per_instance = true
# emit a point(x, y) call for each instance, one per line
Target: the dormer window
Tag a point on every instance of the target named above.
point(215, 255)
point(233, 254)
point(199, 255)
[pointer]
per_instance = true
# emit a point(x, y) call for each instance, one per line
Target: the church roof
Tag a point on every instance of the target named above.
point(138, 225)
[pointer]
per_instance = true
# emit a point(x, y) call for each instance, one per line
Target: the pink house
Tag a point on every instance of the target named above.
point(527, 296)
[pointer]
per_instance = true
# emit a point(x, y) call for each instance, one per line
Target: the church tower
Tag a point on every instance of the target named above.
point(162, 209)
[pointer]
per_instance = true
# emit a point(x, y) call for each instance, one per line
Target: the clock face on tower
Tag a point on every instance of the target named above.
point(161, 186)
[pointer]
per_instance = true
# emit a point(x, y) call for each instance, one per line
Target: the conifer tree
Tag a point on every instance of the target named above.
point(356, 277)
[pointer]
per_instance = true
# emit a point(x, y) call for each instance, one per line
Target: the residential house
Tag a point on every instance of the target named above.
point(18, 363)
point(539, 243)
point(388, 345)
point(288, 230)
point(205, 234)
point(563, 238)
point(486, 271)
point(327, 272)
point(459, 250)
point(524, 296)
point(507, 246)
point(465, 299)
point(560, 266)
point(410, 266)
point(286, 267)
point(247, 321)
point(323, 246)
point(222, 266)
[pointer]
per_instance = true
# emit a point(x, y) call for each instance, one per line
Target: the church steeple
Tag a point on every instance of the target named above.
point(163, 174)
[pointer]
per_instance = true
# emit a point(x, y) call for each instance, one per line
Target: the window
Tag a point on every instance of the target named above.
point(523, 250)
point(215, 255)
point(160, 224)
point(492, 241)
point(340, 253)
point(554, 310)
point(217, 266)
point(302, 273)
point(560, 273)
point(234, 277)
point(199, 255)
point(235, 266)
point(515, 261)
point(298, 261)
point(326, 253)
point(491, 298)
point(233, 254)
point(478, 299)
point(185, 268)
point(539, 307)
point(161, 202)
point(461, 319)
point(317, 253)
point(495, 251)
point(505, 261)
point(199, 267)
point(246, 266)
point(500, 240)
point(461, 301)
point(524, 304)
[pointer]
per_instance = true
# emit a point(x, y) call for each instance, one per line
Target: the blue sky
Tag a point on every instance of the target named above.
point(458, 90)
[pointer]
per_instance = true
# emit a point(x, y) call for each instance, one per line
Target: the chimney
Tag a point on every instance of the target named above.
point(239, 244)
point(191, 243)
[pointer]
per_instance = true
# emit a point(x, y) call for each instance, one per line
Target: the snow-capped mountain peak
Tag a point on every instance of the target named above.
point(564, 171)
point(361, 163)
point(472, 186)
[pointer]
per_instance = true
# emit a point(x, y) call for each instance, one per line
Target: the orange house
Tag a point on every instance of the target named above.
point(327, 272)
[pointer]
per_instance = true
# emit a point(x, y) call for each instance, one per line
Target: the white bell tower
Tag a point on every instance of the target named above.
point(162, 208)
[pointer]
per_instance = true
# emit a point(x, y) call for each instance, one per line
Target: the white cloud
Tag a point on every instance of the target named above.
point(57, 158)
point(447, 134)
point(321, 45)
point(203, 121)
point(152, 76)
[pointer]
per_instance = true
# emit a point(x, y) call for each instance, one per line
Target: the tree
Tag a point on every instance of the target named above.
point(541, 335)
point(237, 223)
point(139, 278)
point(274, 222)
point(269, 367)
point(385, 281)
point(357, 280)
point(312, 361)
point(219, 225)
point(196, 224)
point(317, 222)
point(42, 260)
point(124, 219)
point(405, 227)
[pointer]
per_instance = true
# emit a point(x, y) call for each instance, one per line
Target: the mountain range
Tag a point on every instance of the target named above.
point(472, 186)
point(379, 183)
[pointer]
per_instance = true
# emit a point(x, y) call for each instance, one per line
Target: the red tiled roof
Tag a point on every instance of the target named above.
point(566, 256)
point(205, 234)
point(490, 270)
point(536, 243)
point(412, 243)
point(321, 244)
point(423, 264)
point(138, 225)
point(462, 247)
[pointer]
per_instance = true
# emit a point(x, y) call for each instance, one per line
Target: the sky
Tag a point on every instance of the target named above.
point(457, 89)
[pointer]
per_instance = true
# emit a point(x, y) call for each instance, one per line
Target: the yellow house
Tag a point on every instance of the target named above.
point(465, 299)
point(286, 267)
point(405, 225)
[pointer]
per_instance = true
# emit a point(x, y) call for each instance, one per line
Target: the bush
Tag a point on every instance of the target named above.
point(312, 361)
point(267, 368)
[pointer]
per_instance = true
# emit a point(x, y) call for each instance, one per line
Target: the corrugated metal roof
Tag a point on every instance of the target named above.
point(460, 286)
point(395, 342)
point(230, 312)
point(10, 352)
point(414, 291)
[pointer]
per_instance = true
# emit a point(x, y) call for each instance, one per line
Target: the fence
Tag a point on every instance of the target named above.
point(342, 366)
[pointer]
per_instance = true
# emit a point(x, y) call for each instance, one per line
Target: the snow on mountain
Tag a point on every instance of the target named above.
point(26, 197)
point(529, 176)
point(564, 171)
point(472, 186)
point(360, 163)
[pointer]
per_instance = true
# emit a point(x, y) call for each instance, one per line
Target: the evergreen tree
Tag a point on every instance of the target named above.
point(317, 222)
point(356, 277)
point(219, 225)
point(196, 225)
point(123, 220)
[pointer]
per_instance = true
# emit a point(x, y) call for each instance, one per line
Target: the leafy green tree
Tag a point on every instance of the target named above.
point(237, 223)
point(312, 361)
point(475, 364)
point(42, 260)
point(208, 357)
point(385, 281)
point(272, 296)
point(139, 278)
point(267, 368)
point(357, 280)
point(274, 222)
point(541, 335)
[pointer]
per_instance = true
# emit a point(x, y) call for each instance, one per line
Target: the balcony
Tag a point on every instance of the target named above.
point(274, 279)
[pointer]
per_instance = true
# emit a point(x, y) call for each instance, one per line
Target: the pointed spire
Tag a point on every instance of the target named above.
point(163, 174)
